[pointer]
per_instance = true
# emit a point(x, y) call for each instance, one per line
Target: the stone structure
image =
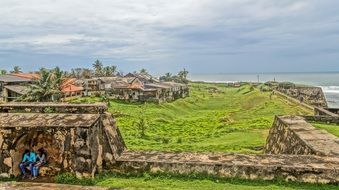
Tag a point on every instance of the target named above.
point(84, 143)
point(83, 139)
point(135, 88)
point(304, 168)
point(318, 111)
point(310, 95)
point(293, 135)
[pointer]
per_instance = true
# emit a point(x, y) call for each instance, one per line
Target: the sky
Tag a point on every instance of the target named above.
point(203, 36)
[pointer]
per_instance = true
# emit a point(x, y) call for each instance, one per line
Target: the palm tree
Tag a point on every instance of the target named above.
point(98, 68)
point(3, 72)
point(114, 69)
point(183, 75)
point(16, 69)
point(47, 87)
point(143, 71)
point(167, 77)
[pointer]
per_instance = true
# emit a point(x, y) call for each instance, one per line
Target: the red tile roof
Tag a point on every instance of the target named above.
point(26, 75)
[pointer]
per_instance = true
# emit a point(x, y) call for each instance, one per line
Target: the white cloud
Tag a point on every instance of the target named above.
point(154, 29)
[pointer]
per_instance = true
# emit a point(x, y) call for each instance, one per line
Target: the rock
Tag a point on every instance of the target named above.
point(8, 162)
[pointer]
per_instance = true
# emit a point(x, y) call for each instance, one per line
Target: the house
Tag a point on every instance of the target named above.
point(144, 77)
point(70, 88)
point(12, 87)
point(122, 88)
point(135, 87)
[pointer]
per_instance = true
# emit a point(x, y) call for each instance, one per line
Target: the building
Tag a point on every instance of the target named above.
point(12, 87)
point(135, 89)
point(70, 88)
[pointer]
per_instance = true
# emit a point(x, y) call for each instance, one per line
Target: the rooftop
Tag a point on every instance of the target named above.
point(11, 78)
point(37, 120)
point(18, 89)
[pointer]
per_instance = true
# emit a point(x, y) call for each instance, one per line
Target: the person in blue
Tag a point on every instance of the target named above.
point(29, 158)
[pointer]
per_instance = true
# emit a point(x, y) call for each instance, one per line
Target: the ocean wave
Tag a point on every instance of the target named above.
point(330, 89)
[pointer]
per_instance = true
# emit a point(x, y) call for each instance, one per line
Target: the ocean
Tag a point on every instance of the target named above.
point(329, 82)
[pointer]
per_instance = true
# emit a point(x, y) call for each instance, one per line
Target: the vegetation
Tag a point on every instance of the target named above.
point(331, 128)
point(193, 181)
point(213, 118)
point(46, 88)
point(101, 71)
point(16, 69)
point(3, 72)
point(181, 77)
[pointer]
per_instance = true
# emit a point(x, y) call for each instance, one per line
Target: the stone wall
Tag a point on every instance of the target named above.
point(83, 148)
point(310, 95)
point(302, 168)
point(318, 111)
point(293, 135)
point(322, 119)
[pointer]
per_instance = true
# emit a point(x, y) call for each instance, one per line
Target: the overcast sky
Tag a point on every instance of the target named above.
point(203, 36)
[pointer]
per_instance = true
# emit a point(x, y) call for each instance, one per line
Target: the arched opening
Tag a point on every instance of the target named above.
point(33, 141)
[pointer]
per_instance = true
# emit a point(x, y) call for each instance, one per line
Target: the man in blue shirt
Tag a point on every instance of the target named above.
point(29, 158)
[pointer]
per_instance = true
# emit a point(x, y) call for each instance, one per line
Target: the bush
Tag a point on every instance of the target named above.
point(69, 178)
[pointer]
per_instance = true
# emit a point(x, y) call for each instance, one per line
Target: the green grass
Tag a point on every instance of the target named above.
point(331, 128)
point(226, 120)
point(194, 182)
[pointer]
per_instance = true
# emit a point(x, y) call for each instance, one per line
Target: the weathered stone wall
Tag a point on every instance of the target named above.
point(82, 150)
point(302, 168)
point(293, 135)
point(310, 95)
point(322, 118)
point(324, 112)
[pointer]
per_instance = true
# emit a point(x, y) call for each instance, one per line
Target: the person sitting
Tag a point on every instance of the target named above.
point(29, 158)
point(41, 160)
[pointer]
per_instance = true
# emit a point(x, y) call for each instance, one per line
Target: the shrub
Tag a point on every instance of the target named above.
point(69, 178)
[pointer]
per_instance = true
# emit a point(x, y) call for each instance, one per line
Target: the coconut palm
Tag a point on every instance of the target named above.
point(16, 69)
point(183, 75)
point(3, 72)
point(143, 71)
point(98, 68)
point(46, 88)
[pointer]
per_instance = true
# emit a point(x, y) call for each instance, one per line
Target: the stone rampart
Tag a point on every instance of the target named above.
point(310, 95)
point(322, 119)
point(293, 135)
point(302, 168)
point(84, 144)
point(318, 111)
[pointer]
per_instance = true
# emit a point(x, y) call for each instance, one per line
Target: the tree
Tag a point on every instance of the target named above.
point(16, 69)
point(141, 125)
point(47, 87)
point(143, 71)
point(167, 77)
point(110, 70)
point(183, 75)
point(98, 68)
point(3, 72)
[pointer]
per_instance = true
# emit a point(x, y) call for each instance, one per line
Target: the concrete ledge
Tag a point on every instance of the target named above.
point(302, 168)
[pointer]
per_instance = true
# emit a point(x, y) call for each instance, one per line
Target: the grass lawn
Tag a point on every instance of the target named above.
point(214, 118)
point(146, 181)
point(331, 128)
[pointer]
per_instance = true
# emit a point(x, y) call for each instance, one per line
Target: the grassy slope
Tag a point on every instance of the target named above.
point(194, 182)
point(141, 183)
point(331, 128)
point(230, 120)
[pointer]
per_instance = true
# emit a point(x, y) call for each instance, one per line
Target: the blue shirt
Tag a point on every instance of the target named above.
point(29, 158)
